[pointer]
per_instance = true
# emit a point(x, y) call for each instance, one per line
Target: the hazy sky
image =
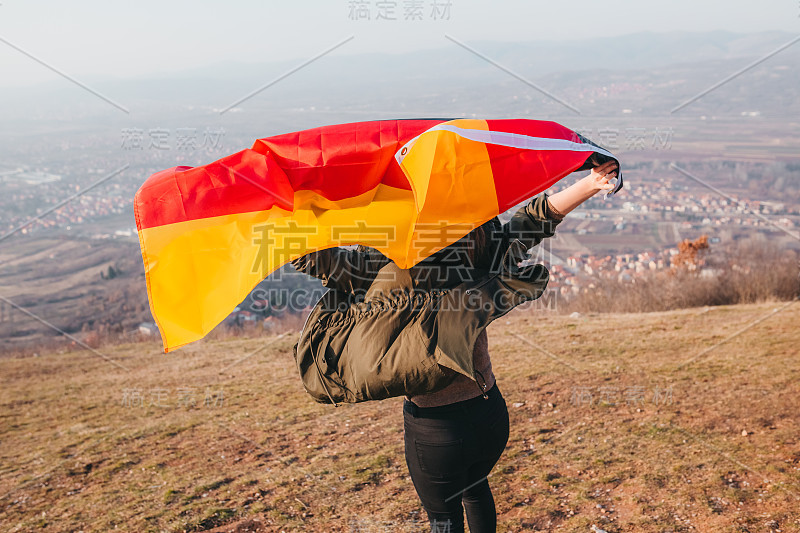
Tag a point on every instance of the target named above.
point(91, 39)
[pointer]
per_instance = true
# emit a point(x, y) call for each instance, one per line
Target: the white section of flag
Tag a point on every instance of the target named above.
point(517, 140)
point(512, 140)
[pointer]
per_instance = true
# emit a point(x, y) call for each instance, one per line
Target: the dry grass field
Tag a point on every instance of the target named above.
point(677, 421)
point(58, 278)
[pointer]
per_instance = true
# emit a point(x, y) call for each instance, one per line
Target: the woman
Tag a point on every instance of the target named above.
point(455, 435)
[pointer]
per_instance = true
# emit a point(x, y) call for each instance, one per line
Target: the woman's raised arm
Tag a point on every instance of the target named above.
point(565, 201)
point(538, 219)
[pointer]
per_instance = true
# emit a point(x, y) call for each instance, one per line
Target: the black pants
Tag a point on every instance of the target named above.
point(450, 451)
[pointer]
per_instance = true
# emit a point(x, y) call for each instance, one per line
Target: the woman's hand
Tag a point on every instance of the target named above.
point(565, 201)
point(597, 180)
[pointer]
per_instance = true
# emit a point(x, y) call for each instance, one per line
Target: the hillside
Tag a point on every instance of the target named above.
point(64, 281)
point(610, 427)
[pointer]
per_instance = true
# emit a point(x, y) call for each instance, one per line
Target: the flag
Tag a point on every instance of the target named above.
point(408, 188)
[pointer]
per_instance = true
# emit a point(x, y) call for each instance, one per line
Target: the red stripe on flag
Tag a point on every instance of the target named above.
point(533, 128)
point(344, 160)
point(337, 162)
point(529, 163)
point(508, 161)
point(234, 184)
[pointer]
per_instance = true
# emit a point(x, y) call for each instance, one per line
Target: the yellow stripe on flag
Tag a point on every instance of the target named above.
point(189, 302)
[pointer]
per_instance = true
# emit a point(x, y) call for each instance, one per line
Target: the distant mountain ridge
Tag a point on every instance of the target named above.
point(448, 64)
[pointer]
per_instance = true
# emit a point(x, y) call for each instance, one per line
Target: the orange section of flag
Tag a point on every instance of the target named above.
point(454, 187)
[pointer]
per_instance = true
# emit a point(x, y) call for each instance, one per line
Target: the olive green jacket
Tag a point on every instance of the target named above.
point(382, 331)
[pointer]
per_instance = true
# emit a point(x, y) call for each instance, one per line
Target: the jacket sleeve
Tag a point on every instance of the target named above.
point(530, 224)
point(340, 269)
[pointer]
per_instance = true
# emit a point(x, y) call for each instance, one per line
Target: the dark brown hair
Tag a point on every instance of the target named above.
point(475, 245)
